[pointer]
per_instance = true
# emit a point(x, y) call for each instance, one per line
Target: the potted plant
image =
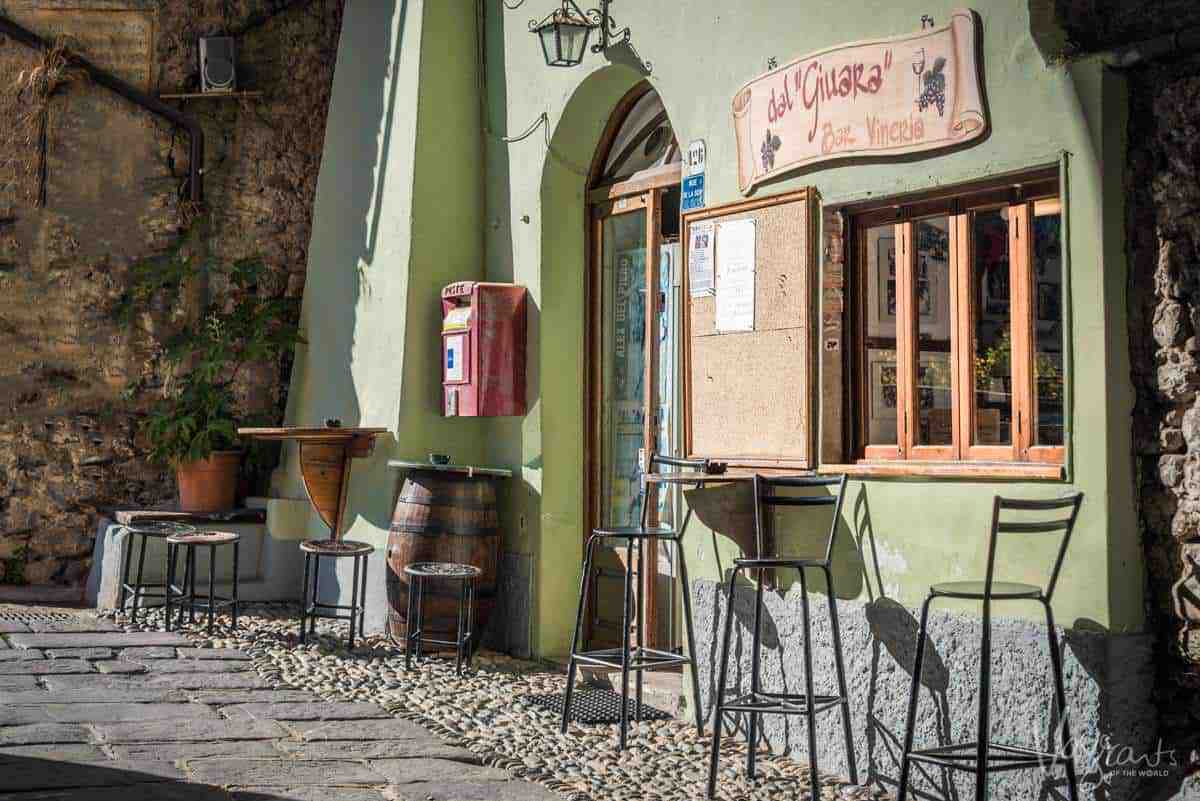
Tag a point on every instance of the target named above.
point(193, 426)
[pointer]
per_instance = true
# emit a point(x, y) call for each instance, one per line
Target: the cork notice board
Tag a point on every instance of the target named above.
point(748, 395)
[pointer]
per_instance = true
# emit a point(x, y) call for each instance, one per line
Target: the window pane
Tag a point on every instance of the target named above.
point(624, 360)
point(1048, 329)
point(882, 399)
point(933, 326)
point(992, 348)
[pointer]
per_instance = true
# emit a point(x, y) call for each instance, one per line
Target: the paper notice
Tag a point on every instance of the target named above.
point(735, 276)
point(700, 259)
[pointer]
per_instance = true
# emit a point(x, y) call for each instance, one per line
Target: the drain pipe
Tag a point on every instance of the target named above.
point(152, 104)
point(1164, 46)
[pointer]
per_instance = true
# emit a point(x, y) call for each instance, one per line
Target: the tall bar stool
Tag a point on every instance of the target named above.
point(311, 606)
point(185, 594)
point(758, 701)
point(636, 659)
point(139, 588)
point(982, 757)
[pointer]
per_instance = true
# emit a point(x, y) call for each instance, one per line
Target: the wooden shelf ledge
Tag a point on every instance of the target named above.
point(968, 471)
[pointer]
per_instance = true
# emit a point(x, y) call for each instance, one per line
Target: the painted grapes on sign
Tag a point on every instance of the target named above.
point(892, 96)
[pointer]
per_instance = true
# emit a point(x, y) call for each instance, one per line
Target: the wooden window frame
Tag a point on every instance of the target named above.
point(1022, 197)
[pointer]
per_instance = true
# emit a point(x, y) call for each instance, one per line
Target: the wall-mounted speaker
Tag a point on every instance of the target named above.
point(218, 64)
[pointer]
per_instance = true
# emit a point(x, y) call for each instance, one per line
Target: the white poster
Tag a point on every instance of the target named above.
point(735, 276)
point(700, 259)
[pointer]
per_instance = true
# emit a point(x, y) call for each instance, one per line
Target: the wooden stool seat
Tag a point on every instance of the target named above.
point(336, 548)
point(204, 538)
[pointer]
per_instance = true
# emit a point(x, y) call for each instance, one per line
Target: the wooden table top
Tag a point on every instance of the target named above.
point(310, 434)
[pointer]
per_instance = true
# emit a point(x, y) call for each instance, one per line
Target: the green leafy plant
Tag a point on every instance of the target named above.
point(197, 413)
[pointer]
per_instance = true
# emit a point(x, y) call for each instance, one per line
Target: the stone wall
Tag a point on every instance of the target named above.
point(104, 193)
point(1106, 677)
point(1164, 303)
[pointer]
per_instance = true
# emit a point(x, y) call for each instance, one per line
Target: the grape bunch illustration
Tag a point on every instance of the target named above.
point(770, 145)
point(933, 84)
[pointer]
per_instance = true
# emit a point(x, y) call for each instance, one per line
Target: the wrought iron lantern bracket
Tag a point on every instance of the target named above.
point(569, 14)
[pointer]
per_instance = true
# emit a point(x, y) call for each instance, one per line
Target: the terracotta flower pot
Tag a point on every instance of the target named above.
point(209, 485)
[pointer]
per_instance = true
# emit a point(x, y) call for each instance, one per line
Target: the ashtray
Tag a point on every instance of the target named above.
point(439, 459)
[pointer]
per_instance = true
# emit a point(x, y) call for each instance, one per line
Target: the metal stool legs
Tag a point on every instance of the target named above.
point(572, 665)
point(759, 701)
point(981, 745)
point(633, 659)
point(184, 594)
point(311, 604)
point(414, 637)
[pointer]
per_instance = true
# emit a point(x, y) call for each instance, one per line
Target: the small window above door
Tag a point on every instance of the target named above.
point(644, 141)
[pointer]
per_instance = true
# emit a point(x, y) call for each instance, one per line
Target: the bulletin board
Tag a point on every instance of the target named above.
point(749, 395)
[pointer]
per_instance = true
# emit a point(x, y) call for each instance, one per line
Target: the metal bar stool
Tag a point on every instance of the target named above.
point(311, 607)
point(140, 589)
point(635, 659)
point(417, 573)
point(185, 595)
point(983, 757)
point(758, 701)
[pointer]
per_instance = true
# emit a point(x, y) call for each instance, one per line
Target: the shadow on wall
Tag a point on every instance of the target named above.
point(1108, 682)
point(346, 222)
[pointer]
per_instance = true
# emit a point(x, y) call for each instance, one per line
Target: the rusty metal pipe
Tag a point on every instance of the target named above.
point(152, 104)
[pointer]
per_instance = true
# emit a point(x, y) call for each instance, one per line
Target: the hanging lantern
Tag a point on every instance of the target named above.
point(564, 35)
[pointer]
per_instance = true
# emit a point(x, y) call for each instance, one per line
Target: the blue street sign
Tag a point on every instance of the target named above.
point(693, 192)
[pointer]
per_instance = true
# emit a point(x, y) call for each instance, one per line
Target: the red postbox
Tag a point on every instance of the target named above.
point(483, 349)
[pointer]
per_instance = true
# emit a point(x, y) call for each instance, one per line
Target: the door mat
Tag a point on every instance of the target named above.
point(596, 706)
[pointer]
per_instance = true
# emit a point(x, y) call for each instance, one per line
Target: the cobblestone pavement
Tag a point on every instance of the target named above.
point(505, 711)
point(89, 712)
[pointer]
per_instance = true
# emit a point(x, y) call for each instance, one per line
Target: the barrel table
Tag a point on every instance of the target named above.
point(444, 513)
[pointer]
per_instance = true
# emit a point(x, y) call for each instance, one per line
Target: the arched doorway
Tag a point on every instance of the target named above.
point(633, 226)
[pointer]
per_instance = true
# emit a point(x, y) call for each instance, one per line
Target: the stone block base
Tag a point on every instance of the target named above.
point(1108, 679)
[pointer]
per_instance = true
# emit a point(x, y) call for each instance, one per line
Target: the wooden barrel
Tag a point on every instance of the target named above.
point(443, 517)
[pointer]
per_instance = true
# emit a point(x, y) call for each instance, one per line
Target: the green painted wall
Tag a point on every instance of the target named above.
point(398, 215)
point(702, 52)
point(412, 196)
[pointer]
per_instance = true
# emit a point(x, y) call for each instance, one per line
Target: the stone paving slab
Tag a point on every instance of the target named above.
point(115, 639)
point(43, 733)
point(307, 794)
point(12, 627)
point(149, 652)
point(198, 665)
point(78, 623)
point(233, 697)
point(172, 752)
point(394, 729)
point(469, 791)
point(281, 773)
point(406, 771)
point(304, 711)
point(18, 682)
point(101, 695)
point(377, 749)
point(119, 666)
point(18, 654)
point(104, 713)
point(163, 731)
point(23, 774)
point(174, 681)
point(158, 791)
point(89, 654)
point(61, 752)
point(43, 667)
point(225, 654)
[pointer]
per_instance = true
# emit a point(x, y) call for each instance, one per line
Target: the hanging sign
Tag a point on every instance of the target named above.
point(888, 97)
